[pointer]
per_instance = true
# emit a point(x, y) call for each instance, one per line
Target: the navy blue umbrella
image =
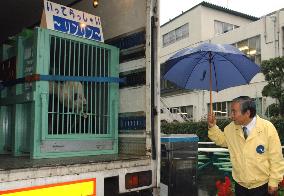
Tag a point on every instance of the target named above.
point(212, 67)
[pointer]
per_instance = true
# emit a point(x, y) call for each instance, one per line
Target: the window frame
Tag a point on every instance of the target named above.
point(171, 36)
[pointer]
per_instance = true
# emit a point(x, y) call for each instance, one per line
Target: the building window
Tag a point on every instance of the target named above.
point(187, 111)
point(165, 84)
point(251, 48)
point(174, 110)
point(282, 40)
point(176, 35)
point(223, 27)
point(258, 104)
point(221, 109)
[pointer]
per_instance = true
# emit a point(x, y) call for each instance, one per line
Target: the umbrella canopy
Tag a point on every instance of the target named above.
point(211, 67)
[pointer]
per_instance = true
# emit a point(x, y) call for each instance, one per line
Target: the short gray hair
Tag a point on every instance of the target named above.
point(246, 104)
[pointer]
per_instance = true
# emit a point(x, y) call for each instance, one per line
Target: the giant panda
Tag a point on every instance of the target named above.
point(67, 97)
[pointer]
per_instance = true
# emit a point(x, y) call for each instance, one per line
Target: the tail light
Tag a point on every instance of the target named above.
point(138, 179)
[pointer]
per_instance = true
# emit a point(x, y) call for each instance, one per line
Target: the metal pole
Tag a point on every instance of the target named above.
point(210, 81)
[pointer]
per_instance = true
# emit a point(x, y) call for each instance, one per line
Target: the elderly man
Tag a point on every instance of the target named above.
point(254, 147)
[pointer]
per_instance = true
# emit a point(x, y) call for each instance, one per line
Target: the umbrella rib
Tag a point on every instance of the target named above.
point(194, 67)
point(235, 67)
point(216, 81)
point(215, 73)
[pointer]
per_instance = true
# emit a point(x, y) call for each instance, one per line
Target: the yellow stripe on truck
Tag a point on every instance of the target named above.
point(75, 188)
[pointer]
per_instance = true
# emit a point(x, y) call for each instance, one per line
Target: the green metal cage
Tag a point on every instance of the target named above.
point(68, 115)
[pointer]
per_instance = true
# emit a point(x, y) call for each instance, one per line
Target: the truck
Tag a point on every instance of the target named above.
point(48, 144)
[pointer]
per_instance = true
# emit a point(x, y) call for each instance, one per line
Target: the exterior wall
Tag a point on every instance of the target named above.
point(201, 28)
point(209, 15)
point(269, 28)
point(193, 18)
point(264, 27)
point(128, 104)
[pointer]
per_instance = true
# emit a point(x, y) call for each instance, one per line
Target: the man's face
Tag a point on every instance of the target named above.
point(237, 116)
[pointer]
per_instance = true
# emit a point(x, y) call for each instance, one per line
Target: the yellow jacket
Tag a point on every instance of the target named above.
point(256, 160)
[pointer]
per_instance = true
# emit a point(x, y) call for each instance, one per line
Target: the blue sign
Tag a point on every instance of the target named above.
point(75, 28)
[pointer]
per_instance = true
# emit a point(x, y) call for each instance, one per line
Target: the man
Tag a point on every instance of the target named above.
point(254, 147)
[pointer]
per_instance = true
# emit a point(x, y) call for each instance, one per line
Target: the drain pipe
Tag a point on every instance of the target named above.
point(278, 32)
point(265, 31)
point(273, 18)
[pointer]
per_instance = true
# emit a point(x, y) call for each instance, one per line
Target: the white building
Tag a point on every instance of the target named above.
point(259, 38)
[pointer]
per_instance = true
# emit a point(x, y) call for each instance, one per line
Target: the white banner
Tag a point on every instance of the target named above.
point(68, 20)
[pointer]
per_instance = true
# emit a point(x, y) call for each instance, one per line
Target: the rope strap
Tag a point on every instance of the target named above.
point(38, 77)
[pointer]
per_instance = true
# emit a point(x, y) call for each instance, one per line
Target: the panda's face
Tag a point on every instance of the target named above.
point(72, 95)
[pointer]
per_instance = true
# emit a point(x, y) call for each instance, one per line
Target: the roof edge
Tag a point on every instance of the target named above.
point(216, 7)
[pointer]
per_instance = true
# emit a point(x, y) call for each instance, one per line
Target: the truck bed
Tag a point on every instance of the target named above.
point(19, 168)
point(7, 162)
